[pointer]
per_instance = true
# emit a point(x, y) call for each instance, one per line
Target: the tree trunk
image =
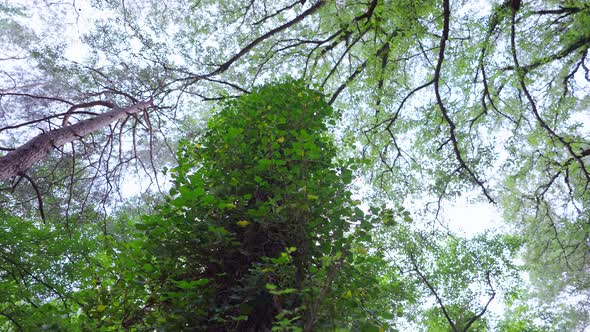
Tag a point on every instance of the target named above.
point(38, 147)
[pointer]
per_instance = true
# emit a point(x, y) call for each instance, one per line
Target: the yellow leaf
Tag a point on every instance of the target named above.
point(348, 294)
point(243, 223)
point(198, 146)
point(281, 140)
point(101, 307)
point(312, 197)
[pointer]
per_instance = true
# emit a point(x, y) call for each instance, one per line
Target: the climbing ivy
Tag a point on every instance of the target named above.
point(257, 226)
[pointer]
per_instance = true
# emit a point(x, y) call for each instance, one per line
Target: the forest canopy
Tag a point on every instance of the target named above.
point(225, 165)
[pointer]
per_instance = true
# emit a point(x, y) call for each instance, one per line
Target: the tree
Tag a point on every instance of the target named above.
point(19, 160)
point(254, 234)
point(458, 278)
point(42, 268)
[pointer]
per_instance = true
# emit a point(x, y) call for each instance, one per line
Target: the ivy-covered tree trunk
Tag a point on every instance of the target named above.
point(253, 233)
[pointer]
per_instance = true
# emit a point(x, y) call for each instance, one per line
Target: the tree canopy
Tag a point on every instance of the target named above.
point(295, 160)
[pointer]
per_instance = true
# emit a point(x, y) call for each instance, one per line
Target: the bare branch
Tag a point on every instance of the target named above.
point(39, 197)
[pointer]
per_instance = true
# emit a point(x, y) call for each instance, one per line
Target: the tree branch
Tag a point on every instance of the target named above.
point(433, 291)
point(444, 111)
point(485, 308)
point(39, 197)
point(225, 66)
point(21, 159)
point(520, 73)
point(20, 328)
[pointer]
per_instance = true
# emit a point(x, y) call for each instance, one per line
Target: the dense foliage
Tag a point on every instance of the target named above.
point(255, 225)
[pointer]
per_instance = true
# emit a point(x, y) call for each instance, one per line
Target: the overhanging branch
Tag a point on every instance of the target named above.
point(21, 159)
point(443, 109)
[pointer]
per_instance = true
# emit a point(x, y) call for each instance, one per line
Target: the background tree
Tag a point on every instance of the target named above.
point(457, 278)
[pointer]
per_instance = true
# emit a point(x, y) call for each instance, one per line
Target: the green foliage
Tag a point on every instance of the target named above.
point(256, 229)
point(41, 269)
point(457, 280)
point(521, 318)
point(434, 320)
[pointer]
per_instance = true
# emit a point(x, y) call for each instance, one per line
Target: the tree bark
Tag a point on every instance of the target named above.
point(21, 159)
